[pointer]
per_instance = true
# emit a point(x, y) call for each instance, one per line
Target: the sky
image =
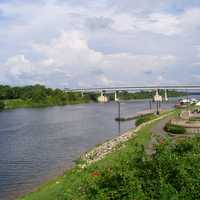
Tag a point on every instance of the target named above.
point(101, 43)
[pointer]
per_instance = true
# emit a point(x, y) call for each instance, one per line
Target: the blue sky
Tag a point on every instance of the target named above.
point(84, 43)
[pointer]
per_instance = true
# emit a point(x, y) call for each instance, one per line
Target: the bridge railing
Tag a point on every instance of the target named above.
point(135, 88)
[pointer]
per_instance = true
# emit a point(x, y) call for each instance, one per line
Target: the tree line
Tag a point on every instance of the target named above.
point(39, 95)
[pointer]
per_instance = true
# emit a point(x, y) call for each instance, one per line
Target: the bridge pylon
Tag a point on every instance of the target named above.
point(82, 93)
point(166, 97)
point(102, 98)
point(116, 96)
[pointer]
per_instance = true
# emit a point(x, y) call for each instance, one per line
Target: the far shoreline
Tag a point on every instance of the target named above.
point(81, 103)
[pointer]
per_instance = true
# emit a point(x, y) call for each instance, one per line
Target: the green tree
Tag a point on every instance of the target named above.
point(2, 105)
point(38, 93)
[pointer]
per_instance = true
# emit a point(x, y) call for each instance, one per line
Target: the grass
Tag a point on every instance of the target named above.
point(28, 103)
point(144, 118)
point(147, 117)
point(66, 186)
point(175, 129)
point(20, 103)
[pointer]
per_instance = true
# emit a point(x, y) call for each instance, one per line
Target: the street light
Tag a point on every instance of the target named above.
point(157, 99)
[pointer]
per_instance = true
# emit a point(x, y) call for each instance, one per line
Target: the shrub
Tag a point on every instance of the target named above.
point(144, 118)
point(176, 129)
point(2, 105)
point(194, 118)
point(171, 173)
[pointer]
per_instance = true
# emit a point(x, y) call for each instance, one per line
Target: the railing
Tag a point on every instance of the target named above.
point(129, 88)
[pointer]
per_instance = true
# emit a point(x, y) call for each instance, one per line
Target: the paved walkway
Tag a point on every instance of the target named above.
point(158, 128)
point(157, 133)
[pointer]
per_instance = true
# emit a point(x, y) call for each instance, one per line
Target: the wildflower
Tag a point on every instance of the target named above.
point(110, 169)
point(162, 141)
point(95, 173)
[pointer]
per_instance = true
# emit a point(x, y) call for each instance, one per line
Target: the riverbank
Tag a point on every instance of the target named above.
point(106, 156)
point(19, 103)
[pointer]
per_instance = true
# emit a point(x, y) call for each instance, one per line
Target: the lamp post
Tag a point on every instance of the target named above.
point(157, 99)
point(157, 109)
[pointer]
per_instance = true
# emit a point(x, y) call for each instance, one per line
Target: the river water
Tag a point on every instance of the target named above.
point(36, 144)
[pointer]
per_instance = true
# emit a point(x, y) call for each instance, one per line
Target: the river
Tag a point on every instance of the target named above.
point(38, 144)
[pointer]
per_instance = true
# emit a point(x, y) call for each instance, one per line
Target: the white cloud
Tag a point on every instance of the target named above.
point(91, 43)
point(160, 23)
point(69, 49)
point(18, 65)
point(198, 50)
point(137, 63)
point(70, 53)
point(190, 18)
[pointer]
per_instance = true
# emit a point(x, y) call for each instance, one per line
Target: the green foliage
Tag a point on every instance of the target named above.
point(144, 118)
point(194, 119)
point(169, 174)
point(39, 96)
point(173, 172)
point(2, 105)
point(176, 129)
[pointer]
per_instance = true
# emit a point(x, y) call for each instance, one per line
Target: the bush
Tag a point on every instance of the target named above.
point(176, 129)
point(171, 173)
point(2, 105)
point(144, 118)
point(194, 118)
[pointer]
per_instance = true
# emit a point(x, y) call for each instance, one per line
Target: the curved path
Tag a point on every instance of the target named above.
point(157, 133)
point(158, 128)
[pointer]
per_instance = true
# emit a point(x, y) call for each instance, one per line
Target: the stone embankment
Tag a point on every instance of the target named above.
point(101, 151)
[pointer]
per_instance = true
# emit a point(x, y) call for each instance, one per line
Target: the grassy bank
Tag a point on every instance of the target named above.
point(144, 118)
point(20, 103)
point(113, 177)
